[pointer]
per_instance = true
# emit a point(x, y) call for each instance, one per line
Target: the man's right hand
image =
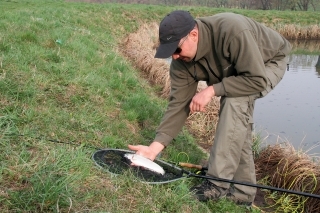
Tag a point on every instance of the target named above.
point(202, 99)
point(150, 151)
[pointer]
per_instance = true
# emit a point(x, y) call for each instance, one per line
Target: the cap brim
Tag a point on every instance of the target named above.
point(166, 50)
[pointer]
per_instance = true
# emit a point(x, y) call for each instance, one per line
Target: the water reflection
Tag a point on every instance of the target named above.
point(309, 49)
point(318, 66)
point(292, 110)
point(303, 61)
point(309, 46)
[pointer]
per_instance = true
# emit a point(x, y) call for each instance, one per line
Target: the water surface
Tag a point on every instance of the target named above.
point(291, 112)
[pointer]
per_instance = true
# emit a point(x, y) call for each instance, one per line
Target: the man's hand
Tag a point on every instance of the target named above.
point(150, 151)
point(201, 100)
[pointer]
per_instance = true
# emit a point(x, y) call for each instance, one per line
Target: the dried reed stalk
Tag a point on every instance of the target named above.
point(289, 169)
point(139, 47)
point(203, 124)
point(293, 31)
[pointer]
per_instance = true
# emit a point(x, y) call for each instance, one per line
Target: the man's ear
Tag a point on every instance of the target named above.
point(194, 35)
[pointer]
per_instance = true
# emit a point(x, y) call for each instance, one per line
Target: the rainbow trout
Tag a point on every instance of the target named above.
point(139, 160)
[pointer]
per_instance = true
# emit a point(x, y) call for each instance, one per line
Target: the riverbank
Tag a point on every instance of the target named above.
point(66, 90)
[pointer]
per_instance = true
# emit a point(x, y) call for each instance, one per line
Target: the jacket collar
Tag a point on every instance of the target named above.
point(204, 41)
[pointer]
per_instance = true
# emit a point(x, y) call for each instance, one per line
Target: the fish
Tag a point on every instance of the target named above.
point(139, 160)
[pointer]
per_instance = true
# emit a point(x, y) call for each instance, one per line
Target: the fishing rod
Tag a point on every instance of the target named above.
point(257, 186)
point(54, 140)
point(201, 168)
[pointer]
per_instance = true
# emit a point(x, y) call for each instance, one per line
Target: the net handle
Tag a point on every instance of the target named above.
point(191, 166)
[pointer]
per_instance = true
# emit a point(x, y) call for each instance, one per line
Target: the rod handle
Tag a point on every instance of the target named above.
point(190, 165)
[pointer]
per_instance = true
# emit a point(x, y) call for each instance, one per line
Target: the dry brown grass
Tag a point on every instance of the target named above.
point(292, 31)
point(282, 166)
point(203, 124)
point(140, 47)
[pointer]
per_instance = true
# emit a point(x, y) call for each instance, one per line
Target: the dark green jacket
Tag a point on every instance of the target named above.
point(231, 56)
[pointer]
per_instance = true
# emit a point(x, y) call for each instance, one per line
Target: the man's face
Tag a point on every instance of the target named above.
point(187, 47)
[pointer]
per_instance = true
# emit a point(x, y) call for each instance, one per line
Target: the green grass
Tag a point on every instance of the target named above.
point(62, 78)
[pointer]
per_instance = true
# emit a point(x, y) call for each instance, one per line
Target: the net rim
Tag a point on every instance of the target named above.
point(140, 180)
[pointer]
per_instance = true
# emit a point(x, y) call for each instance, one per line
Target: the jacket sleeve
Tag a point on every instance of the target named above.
point(183, 88)
point(244, 54)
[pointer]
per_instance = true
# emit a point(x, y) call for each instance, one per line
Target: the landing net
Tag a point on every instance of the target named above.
point(113, 161)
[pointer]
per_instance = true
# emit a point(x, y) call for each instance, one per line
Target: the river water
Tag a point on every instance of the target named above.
point(291, 112)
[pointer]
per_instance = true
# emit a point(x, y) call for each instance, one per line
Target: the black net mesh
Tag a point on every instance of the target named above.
point(113, 160)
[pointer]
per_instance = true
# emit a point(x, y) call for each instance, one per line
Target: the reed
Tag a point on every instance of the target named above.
point(297, 31)
point(141, 53)
point(203, 124)
point(284, 167)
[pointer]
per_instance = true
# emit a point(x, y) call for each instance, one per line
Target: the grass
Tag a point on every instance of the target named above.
point(282, 166)
point(62, 78)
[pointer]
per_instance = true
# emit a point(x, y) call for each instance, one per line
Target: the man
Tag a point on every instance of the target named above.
point(241, 60)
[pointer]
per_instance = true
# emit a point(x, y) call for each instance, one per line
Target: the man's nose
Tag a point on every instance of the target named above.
point(175, 56)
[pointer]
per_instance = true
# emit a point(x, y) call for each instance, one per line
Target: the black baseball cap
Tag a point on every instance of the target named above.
point(173, 28)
